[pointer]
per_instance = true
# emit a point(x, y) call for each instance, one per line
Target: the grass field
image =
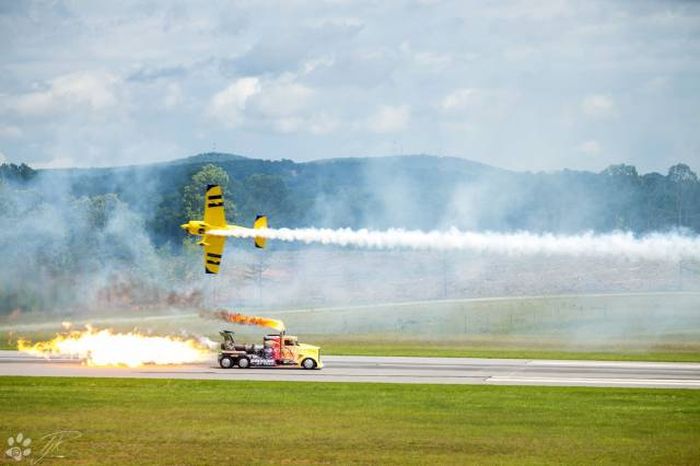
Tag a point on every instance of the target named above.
point(132, 421)
point(366, 346)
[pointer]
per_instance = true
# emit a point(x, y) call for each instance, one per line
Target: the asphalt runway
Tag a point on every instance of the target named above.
point(393, 370)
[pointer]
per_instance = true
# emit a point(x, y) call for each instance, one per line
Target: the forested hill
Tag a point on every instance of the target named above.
point(415, 192)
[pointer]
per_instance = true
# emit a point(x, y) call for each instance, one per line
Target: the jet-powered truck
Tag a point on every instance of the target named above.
point(215, 219)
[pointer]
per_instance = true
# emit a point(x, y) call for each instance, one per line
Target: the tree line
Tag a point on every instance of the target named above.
point(409, 192)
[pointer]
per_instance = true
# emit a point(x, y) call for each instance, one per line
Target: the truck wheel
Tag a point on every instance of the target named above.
point(308, 363)
point(226, 362)
point(244, 363)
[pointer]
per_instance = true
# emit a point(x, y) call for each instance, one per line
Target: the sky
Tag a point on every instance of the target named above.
point(520, 84)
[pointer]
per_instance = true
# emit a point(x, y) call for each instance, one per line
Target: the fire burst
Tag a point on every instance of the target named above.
point(237, 318)
point(104, 348)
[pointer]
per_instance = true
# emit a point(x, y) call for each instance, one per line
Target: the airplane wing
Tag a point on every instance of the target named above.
point(214, 213)
point(213, 252)
point(260, 222)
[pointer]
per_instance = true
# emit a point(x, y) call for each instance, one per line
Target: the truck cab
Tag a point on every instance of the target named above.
point(277, 350)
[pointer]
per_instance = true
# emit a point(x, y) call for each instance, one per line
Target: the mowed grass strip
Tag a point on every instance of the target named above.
point(363, 346)
point(141, 421)
point(419, 349)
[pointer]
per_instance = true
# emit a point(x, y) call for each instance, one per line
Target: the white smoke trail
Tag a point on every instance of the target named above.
point(656, 246)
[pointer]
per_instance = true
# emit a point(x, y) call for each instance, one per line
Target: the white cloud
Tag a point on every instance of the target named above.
point(485, 106)
point(591, 147)
point(230, 104)
point(281, 98)
point(389, 119)
point(347, 22)
point(56, 162)
point(9, 131)
point(315, 124)
point(323, 123)
point(598, 106)
point(3, 159)
point(481, 80)
point(434, 60)
point(173, 96)
point(460, 99)
point(90, 91)
point(281, 104)
point(314, 64)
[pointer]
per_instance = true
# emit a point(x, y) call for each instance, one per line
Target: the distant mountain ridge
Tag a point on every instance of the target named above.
point(208, 157)
point(425, 159)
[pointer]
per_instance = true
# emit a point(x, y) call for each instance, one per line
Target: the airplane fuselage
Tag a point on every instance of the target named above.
point(201, 228)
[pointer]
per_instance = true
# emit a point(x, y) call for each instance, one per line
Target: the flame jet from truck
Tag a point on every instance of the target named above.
point(215, 219)
point(242, 319)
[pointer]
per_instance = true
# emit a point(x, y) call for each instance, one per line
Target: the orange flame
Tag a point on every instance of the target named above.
point(242, 319)
point(104, 348)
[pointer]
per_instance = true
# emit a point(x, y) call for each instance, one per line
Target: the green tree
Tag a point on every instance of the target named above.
point(3, 200)
point(99, 209)
point(193, 193)
point(13, 172)
point(685, 183)
point(658, 203)
point(622, 171)
point(622, 194)
point(681, 173)
point(267, 194)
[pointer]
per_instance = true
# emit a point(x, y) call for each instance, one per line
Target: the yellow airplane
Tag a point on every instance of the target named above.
point(215, 219)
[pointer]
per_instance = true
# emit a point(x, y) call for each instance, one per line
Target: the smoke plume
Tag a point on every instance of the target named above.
point(657, 246)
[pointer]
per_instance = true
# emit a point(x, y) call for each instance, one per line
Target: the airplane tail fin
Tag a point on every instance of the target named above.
point(260, 222)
